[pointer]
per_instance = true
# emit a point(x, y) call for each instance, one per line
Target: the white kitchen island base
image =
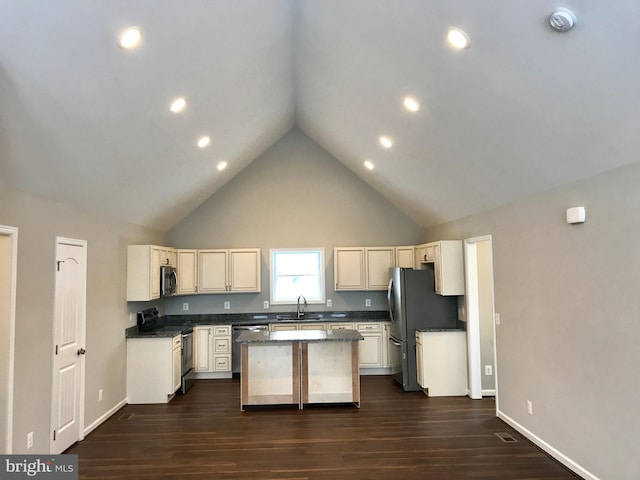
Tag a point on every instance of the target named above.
point(299, 367)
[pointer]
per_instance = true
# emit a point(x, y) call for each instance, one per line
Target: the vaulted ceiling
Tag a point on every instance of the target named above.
point(522, 110)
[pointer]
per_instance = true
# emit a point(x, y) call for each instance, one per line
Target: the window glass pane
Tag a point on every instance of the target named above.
point(295, 273)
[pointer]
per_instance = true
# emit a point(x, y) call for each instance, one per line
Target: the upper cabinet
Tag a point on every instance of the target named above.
point(363, 268)
point(218, 271)
point(405, 257)
point(168, 256)
point(448, 265)
point(143, 272)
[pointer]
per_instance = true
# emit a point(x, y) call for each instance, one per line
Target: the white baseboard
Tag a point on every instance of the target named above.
point(489, 393)
point(375, 371)
point(211, 375)
point(105, 417)
point(562, 458)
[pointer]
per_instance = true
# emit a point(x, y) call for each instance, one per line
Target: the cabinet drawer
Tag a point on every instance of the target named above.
point(177, 341)
point(222, 331)
point(222, 363)
point(340, 326)
point(369, 327)
point(312, 326)
point(221, 345)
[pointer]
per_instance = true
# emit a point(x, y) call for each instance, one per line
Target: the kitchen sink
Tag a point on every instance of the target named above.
point(293, 316)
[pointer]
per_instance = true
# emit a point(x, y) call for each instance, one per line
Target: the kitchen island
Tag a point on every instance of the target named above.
point(299, 367)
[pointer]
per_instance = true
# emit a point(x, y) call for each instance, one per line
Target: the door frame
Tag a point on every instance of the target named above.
point(82, 337)
point(12, 233)
point(472, 309)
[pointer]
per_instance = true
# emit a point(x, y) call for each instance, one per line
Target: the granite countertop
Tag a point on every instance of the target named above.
point(171, 325)
point(300, 336)
point(431, 330)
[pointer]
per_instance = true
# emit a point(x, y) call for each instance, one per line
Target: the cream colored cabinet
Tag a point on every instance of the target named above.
point(363, 268)
point(405, 257)
point(448, 265)
point(153, 381)
point(212, 348)
point(340, 326)
point(387, 361)
point(143, 272)
point(226, 271)
point(379, 261)
point(348, 268)
point(312, 326)
point(282, 327)
point(371, 353)
point(187, 268)
point(168, 256)
point(441, 361)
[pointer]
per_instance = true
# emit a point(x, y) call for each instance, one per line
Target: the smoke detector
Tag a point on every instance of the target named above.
point(562, 20)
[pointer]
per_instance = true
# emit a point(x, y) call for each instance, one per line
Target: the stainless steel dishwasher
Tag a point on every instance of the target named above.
point(235, 348)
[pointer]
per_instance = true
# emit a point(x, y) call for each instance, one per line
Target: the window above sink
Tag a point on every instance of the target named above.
point(296, 272)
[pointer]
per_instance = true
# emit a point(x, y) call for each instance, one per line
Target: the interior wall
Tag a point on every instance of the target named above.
point(5, 310)
point(485, 304)
point(39, 222)
point(295, 195)
point(569, 333)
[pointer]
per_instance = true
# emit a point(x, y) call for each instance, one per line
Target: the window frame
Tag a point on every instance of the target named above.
point(321, 272)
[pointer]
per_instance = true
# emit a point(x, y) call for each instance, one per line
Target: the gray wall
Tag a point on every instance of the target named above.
point(294, 195)
point(485, 302)
point(570, 331)
point(39, 222)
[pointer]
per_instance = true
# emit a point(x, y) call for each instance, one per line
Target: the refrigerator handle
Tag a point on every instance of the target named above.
point(390, 299)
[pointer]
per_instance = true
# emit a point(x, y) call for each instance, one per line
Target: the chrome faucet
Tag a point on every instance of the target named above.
point(301, 313)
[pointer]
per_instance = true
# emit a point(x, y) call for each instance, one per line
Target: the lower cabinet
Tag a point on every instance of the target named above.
point(212, 349)
point(153, 369)
point(371, 353)
point(441, 361)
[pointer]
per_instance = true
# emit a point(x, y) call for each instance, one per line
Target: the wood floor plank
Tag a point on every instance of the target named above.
point(394, 435)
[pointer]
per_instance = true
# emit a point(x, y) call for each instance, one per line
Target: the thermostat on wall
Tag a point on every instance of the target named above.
point(576, 215)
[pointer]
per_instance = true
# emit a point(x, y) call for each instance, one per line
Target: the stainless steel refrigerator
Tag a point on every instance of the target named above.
point(413, 304)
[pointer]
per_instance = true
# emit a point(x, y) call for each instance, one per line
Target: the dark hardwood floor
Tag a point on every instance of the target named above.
point(394, 435)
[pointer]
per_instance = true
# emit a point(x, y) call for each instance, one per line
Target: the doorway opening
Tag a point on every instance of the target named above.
point(8, 277)
point(480, 314)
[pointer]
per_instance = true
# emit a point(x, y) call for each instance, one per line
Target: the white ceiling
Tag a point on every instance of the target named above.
point(524, 109)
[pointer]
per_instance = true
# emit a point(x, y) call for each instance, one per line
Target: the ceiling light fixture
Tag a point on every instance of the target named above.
point(221, 166)
point(204, 141)
point(457, 38)
point(411, 104)
point(369, 165)
point(130, 38)
point(562, 19)
point(178, 105)
point(385, 141)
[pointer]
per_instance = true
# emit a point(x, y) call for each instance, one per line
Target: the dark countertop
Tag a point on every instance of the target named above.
point(300, 336)
point(171, 325)
point(431, 330)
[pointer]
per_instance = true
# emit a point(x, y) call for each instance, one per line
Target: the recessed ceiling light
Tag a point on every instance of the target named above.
point(178, 105)
point(369, 164)
point(411, 104)
point(221, 166)
point(457, 38)
point(130, 38)
point(385, 141)
point(203, 141)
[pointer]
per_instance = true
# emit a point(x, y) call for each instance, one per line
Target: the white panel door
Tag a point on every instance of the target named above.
point(69, 337)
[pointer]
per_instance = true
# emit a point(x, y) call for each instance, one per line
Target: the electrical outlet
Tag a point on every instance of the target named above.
point(185, 306)
point(30, 440)
point(227, 305)
point(488, 369)
point(329, 302)
point(100, 395)
point(497, 319)
point(265, 304)
point(367, 302)
point(529, 407)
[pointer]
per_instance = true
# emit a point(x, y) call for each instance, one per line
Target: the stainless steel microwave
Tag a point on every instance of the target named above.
point(168, 281)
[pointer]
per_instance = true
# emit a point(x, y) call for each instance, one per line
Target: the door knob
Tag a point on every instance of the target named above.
point(81, 351)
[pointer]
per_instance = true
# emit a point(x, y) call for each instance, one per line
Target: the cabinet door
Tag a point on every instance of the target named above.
point(177, 368)
point(312, 326)
point(202, 348)
point(212, 271)
point(274, 327)
point(379, 261)
point(187, 263)
point(420, 361)
point(405, 257)
point(348, 268)
point(449, 267)
point(244, 270)
point(371, 350)
point(155, 273)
